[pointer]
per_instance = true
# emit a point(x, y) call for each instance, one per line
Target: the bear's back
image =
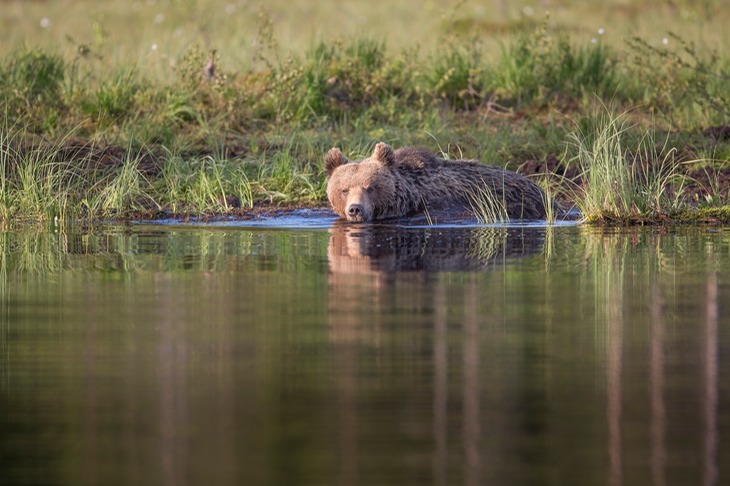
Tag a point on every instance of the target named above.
point(418, 159)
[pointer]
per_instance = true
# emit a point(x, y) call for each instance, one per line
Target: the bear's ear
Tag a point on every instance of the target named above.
point(384, 153)
point(333, 160)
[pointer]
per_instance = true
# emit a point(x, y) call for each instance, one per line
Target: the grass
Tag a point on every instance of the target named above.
point(206, 185)
point(34, 185)
point(50, 184)
point(551, 186)
point(503, 86)
point(622, 182)
point(123, 190)
point(487, 205)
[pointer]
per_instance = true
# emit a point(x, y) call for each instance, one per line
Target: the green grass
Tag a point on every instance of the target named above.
point(50, 184)
point(487, 205)
point(499, 85)
point(124, 189)
point(34, 183)
point(552, 186)
point(624, 179)
point(210, 184)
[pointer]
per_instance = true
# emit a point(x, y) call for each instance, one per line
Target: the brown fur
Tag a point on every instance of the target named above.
point(391, 184)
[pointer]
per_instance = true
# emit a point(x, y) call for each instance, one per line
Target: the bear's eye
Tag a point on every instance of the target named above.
point(370, 189)
point(345, 191)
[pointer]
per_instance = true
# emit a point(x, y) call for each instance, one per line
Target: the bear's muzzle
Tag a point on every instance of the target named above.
point(356, 212)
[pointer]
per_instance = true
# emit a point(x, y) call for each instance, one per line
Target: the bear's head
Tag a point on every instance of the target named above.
point(364, 190)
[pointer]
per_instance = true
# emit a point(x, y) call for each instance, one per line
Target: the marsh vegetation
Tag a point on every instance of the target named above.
point(197, 107)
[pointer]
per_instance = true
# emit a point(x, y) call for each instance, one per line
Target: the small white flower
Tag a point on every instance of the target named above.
point(665, 41)
point(528, 11)
point(159, 18)
point(154, 47)
point(594, 41)
point(601, 31)
point(230, 8)
point(45, 23)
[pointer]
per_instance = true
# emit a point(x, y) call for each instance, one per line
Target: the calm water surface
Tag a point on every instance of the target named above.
point(359, 355)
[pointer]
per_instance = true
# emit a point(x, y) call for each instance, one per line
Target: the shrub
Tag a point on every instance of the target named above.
point(542, 65)
point(686, 85)
point(335, 81)
point(114, 97)
point(34, 76)
point(457, 76)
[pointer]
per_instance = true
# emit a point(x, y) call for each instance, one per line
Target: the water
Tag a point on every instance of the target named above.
point(325, 353)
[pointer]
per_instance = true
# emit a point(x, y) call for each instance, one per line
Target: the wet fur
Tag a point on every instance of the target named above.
point(395, 183)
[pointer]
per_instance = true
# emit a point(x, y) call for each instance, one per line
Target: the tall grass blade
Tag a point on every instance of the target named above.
point(486, 204)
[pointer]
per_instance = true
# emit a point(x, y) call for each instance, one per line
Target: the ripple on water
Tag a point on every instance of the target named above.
point(325, 218)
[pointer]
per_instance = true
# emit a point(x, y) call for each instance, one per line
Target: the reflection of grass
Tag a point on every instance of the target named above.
point(4, 252)
point(605, 254)
point(33, 253)
point(548, 248)
point(115, 251)
point(488, 243)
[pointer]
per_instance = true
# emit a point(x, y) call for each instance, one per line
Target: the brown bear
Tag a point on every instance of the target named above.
point(396, 183)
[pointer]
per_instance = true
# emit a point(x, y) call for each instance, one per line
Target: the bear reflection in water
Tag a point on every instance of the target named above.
point(360, 249)
point(374, 269)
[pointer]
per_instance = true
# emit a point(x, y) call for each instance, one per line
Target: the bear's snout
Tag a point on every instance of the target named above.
point(355, 211)
point(358, 206)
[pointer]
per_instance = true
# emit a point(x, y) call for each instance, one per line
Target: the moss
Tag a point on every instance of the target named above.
point(717, 215)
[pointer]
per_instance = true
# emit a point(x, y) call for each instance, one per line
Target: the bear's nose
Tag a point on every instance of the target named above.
point(354, 210)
